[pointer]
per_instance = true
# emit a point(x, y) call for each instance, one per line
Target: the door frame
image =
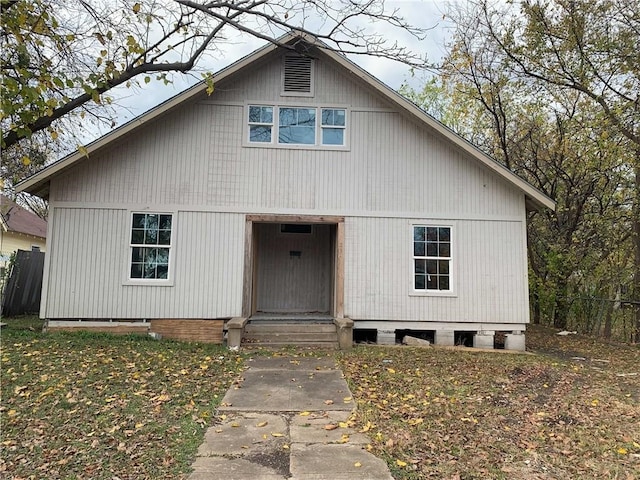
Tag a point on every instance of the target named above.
point(249, 287)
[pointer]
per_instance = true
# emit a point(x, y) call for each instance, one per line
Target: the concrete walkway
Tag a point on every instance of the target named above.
point(287, 419)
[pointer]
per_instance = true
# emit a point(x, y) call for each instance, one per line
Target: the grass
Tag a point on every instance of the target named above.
point(78, 405)
point(436, 413)
point(81, 405)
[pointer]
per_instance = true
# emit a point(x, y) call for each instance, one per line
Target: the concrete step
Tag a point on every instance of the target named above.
point(280, 334)
point(276, 328)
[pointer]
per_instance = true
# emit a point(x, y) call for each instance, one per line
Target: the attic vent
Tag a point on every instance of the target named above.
point(298, 75)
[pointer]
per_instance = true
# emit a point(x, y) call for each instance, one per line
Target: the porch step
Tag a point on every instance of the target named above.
point(281, 334)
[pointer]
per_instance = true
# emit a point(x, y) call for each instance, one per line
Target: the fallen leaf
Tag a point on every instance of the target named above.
point(400, 463)
point(305, 414)
point(274, 434)
point(328, 402)
point(262, 424)
point(330, 426)
point(357, 464)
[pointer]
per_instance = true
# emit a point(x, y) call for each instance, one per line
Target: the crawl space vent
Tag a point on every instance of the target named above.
point(297, 75)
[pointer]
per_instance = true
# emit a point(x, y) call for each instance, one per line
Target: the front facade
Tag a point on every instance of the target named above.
point(301, 186)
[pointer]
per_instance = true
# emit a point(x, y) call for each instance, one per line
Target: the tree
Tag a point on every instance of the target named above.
point(579, 58)
point(562, 142)
point(60, 57)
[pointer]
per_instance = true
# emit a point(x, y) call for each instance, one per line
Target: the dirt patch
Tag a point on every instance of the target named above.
point(277, 460)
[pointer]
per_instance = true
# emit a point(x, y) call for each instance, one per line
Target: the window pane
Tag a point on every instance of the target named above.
point(151, 237)
point(420, 282)
point(432, 267)
point(137, 254)
point(164, 237)
point(444, 234)
point(335, 117)
point(165, 222)
point(136, 270)
point(432, 249)
point(333, 136)
point(138, 220)
point(443, 267)
point(445, 250)
point(443, 283)
point(306, 116)
point(259, 133)
point(419, 234)
point(254, 114)
point(432, 234)
point(288, 116)
point(163, 271)
point(299, 135)
point(137, 236)
point(151, 222)
point(418, 249)
point(420, 266)
point(260, 114)
point(432, 282)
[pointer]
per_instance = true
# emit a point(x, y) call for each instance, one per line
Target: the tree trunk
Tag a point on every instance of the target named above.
point(561, 304)
point(635, 220)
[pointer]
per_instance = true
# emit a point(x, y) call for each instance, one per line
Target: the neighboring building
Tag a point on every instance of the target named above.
point(302, 185)
point(20, 229)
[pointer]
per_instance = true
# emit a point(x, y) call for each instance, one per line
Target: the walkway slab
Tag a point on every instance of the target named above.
point(289, 385)
point(287, 418)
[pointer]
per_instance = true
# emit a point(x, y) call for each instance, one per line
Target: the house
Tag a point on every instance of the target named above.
point(302, 187)
point(20, 229)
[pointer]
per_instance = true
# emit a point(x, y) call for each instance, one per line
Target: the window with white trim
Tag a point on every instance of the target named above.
point(150, 246)
point(432, 258)
point(287, 125)
point(260, 124)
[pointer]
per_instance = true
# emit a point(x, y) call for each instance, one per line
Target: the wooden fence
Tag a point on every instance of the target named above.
point(24, 286)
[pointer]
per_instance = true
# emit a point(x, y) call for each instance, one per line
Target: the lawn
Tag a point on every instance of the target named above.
point(571, 411)
point(95, 406)
point(101, 407)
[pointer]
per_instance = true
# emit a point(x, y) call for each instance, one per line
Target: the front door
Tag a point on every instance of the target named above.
point(294, 267)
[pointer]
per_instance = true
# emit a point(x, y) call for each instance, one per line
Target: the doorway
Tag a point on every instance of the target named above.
point(295, 265)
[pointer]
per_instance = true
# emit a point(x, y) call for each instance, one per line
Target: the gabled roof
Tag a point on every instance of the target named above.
point(38, 183)
point(14, 218)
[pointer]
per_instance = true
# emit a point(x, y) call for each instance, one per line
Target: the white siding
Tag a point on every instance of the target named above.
point(89, 261)
point(489, 273)
point(192, 161)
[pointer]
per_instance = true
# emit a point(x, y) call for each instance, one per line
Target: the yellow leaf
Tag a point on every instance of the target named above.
point(139, 425)
point(235, 425)
point(285, 446)
point(12, 413)
point(26, 161)
point(262, 424)
point(400, 463)
point(347, 399)
point(357, 464)
point(622, 451)
point(305, 414)
point(391, 370)
point(274, 434)
point(136, 8)
point(54, 135)
point(343, 425)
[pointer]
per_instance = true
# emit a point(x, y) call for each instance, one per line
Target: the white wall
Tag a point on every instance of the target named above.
point(193, 162)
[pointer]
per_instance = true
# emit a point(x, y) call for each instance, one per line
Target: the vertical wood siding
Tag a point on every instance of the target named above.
point(489, 273)
point(90, 255)
point(192, 161)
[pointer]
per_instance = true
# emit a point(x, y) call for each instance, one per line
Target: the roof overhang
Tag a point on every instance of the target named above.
point(38, 184)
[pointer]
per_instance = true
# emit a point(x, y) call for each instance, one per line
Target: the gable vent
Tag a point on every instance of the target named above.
point(297, 75)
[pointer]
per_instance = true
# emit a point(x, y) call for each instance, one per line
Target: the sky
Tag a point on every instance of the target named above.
point(427, 14)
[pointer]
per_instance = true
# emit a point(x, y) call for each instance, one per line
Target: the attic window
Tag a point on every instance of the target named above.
point(297, 76)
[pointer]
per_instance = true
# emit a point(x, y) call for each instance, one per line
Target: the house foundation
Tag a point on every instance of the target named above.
point(484, 339)
point(515, 341)
point(444, 338)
